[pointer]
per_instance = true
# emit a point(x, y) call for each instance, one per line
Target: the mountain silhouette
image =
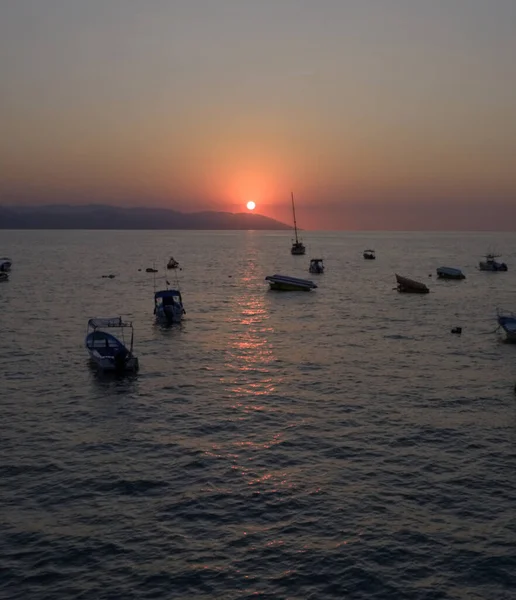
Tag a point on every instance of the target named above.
point(97, 216)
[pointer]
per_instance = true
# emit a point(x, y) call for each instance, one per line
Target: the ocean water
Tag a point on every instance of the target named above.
point(340, 443)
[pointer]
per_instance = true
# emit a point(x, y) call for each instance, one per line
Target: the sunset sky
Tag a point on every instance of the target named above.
point(384, 114)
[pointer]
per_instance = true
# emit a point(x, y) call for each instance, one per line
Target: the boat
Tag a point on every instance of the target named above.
point(450, 273)
point(369, 254)
point(316, 265)
point(4, 276)
point(298, 248)
point(168, 306)
point(507, 321)
point(107, 351)
point(284, 283)
point(151, 270)
point(410, 286)
point(491, 264)
point(172, 263)
point(5, 264)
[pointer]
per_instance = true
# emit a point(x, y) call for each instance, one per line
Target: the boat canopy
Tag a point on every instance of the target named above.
point(167, 294)
point(108, 322)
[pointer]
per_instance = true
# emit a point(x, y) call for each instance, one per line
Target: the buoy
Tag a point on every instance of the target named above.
point(457, 330)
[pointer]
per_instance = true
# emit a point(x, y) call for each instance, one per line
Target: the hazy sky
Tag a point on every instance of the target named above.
point(370, 110)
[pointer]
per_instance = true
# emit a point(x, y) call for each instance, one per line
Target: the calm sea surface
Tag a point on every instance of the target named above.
point(340, 443)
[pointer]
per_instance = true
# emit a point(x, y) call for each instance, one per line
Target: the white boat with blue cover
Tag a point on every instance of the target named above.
point(507, 321)
point(107, 351)
point(168, 306)
point(284, 283)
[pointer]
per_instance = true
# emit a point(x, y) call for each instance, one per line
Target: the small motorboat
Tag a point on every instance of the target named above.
point(172, 263)
point(369, 254)
point(4, 276)
point(5, 264)
point(450, 273)
point(410, 286)
point(316, 265)
point(106, 351)
point(507, 321)
point(168, 306)
point(151, 270)
point(491, 264)
point(284, 283)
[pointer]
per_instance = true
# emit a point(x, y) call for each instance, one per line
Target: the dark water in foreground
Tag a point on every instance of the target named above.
point(334, 444)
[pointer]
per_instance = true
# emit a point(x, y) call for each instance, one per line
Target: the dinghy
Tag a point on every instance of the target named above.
point(284, 283)
point(507, 321)
point(316, 265)
point(450, 273)
point(410, 286)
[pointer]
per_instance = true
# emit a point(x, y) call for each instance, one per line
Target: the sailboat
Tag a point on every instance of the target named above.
point(298, 248)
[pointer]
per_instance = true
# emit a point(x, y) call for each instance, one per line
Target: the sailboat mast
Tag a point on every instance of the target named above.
point(294, 213)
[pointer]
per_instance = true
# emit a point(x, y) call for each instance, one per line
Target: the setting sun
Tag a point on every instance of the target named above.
point(251, 205)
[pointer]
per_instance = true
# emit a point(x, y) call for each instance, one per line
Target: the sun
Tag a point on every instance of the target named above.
point(251, 205)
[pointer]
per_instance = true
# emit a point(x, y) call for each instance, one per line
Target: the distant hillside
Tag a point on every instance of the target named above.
point(112, 217)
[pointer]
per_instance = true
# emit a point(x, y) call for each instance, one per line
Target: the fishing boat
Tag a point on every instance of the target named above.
point(410, 286)
point(369, 254)
point(107, 351)
point(4, 276)
point(491, 264)
point(450, 273)
point(5, 264)
point(507, 321)
point(316, 265)
point(168, 306)
point(298, 248)
point(284, 283)
point(172, 263)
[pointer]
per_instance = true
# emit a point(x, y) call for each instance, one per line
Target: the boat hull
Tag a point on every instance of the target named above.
point(169, 314)
point(4, 276)
point(5, 265)
point(298, 249)
point(494, 266)
point(108, 363)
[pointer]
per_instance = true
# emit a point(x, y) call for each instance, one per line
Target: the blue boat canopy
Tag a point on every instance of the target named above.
point(167, 294)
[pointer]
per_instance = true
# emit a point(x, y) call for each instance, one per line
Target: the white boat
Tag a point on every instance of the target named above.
point(107, 351)
point(491, 264)
point(409, 286)
point(284, 283)
point(369, 254)
point(507, 321)
point(298, 248)
point(450, 273)
point(316, 265)
point(172, 263)
point(5, 264)
point(168, 306)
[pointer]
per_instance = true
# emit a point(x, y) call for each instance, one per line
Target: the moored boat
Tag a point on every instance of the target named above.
point(316, 265)
point(5, 264)
point(410, 286)
point(369, 254)
point(168, 306)
point(284, 283)
point(298, 248)
point(450, 273)
point(4, 276)
point(507, 321)
point(172, 263)
point(107, 351)
point(491, 264)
